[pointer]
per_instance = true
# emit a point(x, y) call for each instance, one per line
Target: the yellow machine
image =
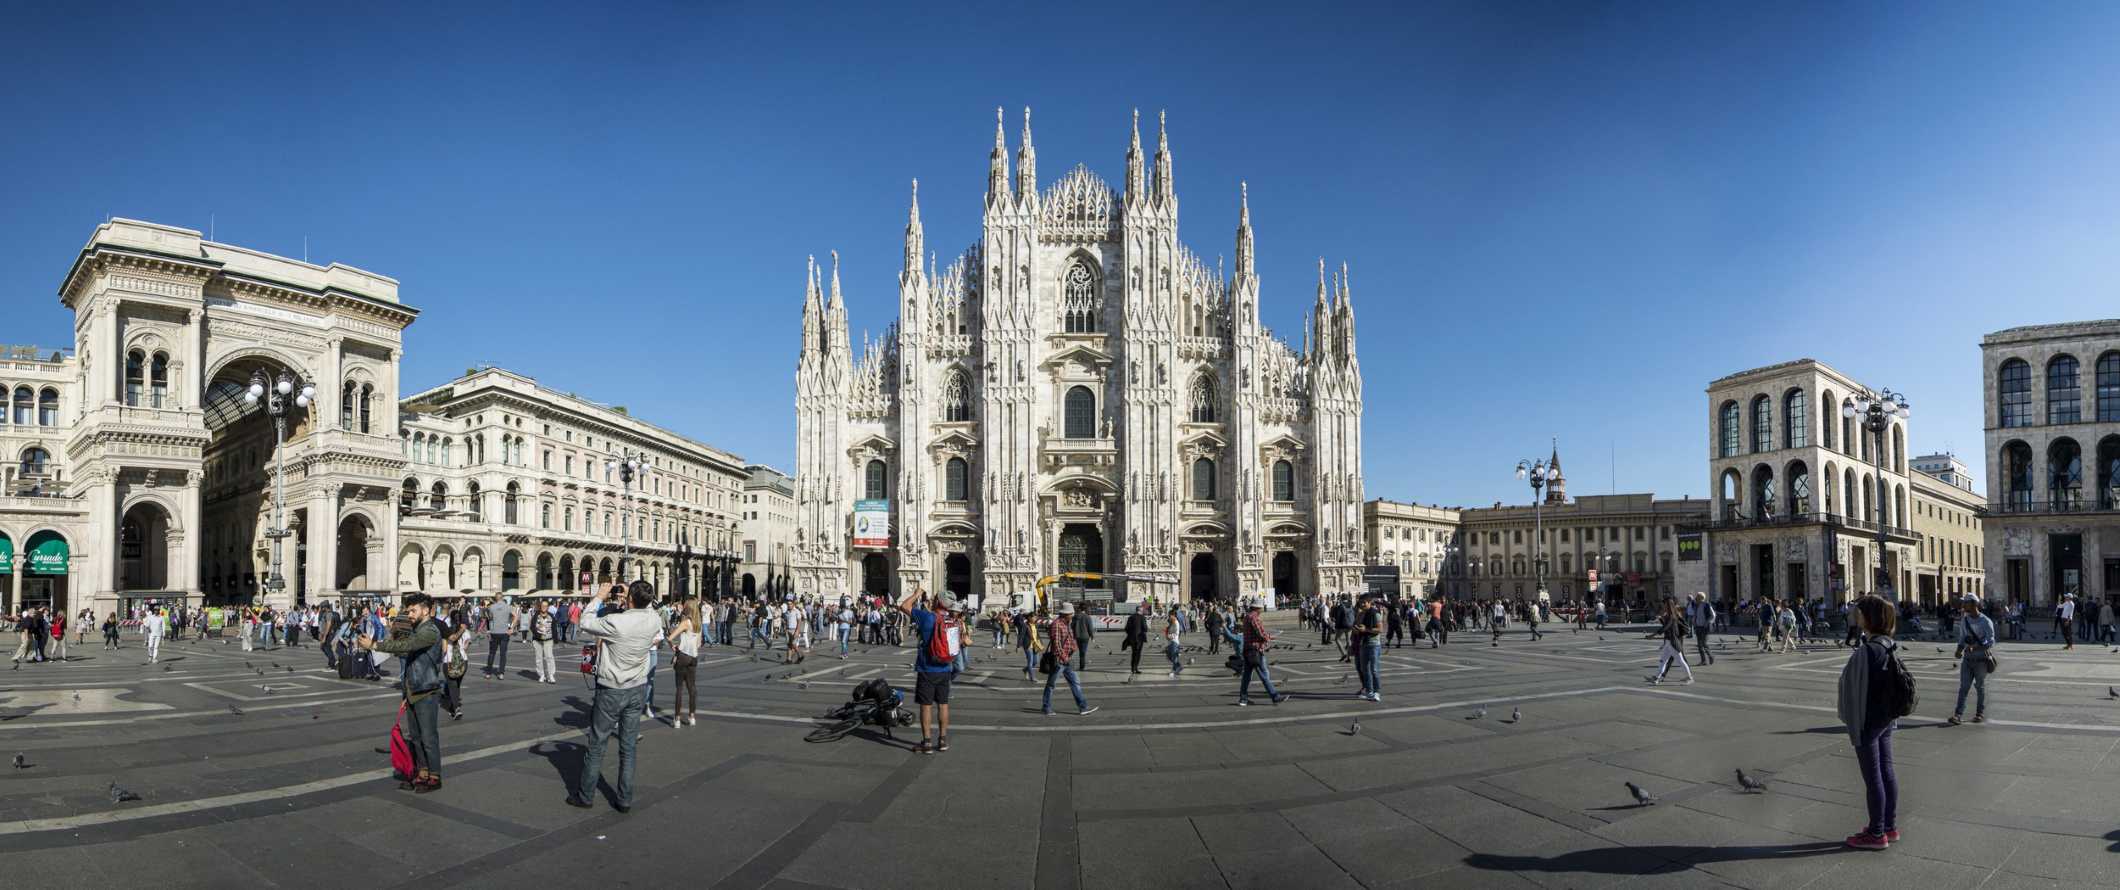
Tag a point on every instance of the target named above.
point(1050, 580)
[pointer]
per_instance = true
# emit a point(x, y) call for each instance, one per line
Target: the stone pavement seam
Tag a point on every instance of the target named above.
point(767, 864)
point(476, 819)
point(1059, 846)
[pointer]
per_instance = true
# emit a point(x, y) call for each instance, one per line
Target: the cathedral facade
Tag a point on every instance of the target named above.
point(1078, 392)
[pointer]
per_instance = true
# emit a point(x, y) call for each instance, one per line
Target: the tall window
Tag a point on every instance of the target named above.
point(1825, 426)
point(409, 495)
point(2017, 475)
point(158, 380)
point(1795, 420)
point(876, 482)
point(544, 516)
point(2109, 473)
point(508, 503)
point(1078, 303)
point(367, 396)
point(2064, 394)
point(2014, 390)
point(446, 443)
point(1727, 428)
point(1284, 481)
point(439, 498)
point(135, 376)
point(1763, 506)
point(1081, 413)
point(1762, 424)
point(34, 460)
point(1799, 488)
point(25, 405)
point(1203, 480)
point(2064, 484)
point(48, 408)
point(1203, 399)
point(2108, 371)
point(346, 396)
point(954, 481)
point(956, 399)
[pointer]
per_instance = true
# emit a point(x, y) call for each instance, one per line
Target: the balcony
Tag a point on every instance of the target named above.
point(1735, 522)
point(2024, 503)
point(1099, 451)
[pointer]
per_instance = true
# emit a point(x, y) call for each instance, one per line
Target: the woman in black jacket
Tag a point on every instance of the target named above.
point(1866, 706)
point(1673, 632)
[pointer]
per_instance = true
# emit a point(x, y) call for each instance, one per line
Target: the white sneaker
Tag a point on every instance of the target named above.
point(692, 720)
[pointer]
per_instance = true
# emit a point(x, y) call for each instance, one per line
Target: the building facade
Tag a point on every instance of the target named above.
point(1632, 541)
point(1078, 392)
point(1947, 467)
point(139, 471)
point(766, 521)
point(2052, 524)
point(1947, 518)
point(1800, 491)
point(513, 487)
point(1418, 539)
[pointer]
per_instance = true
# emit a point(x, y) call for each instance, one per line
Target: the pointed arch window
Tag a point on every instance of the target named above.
point(1080, 413)
point(956, 399)
point(955, 479)
point(876, 481)
point(1284, 481)
point(1203, 479)
point(1203, 399)
point(1078, 302)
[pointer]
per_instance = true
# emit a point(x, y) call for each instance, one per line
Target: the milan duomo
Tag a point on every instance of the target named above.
point(1078, 392)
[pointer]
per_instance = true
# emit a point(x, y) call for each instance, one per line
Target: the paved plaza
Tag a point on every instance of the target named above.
point(261, 769)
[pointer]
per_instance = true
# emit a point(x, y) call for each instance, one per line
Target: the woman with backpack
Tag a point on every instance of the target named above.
point(456, 661)
point(1874, 693)
point(1673, 632)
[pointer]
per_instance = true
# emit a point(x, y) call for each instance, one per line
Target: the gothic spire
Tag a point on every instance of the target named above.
point(997, 169)
point(1026, 163)
point(839, 306)
point(1165, 188)
point(812, 310)
point(1555, 461)
point(915, 239)
point(1133, 163)
point(1318, 314)
point(1244, 243)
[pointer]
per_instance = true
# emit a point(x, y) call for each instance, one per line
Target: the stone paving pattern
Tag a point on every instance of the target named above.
point(1166, 786)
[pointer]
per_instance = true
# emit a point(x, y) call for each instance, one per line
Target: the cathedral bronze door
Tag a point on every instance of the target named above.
point(1203, 577)
point(1082, 550)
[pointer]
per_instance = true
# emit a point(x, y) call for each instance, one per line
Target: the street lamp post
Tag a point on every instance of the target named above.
point(627, 464)
point(275, 391)
point(1537, 472)
point(1876, 410)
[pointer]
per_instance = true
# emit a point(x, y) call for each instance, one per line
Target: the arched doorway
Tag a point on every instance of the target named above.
point(143, 548)
point(603, 571)
point(957, 575)
point(750, 585)
point(412, 568)
point(544, 571)
point(511, 571)
point(238, 459)
point(1203, 577)
point(355, 533)
point(567, 577)
point(876, 575)
point(1284, 577)
point(1082, 549)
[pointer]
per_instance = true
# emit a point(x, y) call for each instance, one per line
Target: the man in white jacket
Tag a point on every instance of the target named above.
point(623, 640)
point(154, 625)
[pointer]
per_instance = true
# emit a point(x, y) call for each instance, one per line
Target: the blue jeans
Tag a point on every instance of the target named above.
point(1880, 784)
point(1244, 687)
point(1170, 651)
point(617, 713)
point(1972, 674)
point(1073, 686)
point(844, 633)
point(1030, 660)
point(1366, 663)
point(649, 701)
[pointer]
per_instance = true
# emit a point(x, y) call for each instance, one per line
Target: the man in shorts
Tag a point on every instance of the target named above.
point(931, 677)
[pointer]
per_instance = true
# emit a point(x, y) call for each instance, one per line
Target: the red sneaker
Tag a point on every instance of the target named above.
point(1891, 835)
point(1867, 841)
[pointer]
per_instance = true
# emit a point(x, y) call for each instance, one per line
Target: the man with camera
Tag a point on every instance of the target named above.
point(623, 640)
point(934, 664)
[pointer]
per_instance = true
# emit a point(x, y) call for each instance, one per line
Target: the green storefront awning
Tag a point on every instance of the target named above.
point(48, 554)
point(7, 555)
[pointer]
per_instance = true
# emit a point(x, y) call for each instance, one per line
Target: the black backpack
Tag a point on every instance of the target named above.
point(1898, 685)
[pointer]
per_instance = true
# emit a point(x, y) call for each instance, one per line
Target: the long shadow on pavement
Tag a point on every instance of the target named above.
point(1630, 860)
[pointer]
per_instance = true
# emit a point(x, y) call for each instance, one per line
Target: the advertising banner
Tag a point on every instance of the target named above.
point(872, 523)
point(1689, 546)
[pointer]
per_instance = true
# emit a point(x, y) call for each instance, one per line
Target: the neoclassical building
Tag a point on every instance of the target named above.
point(1078, 391)
point(2052, 522)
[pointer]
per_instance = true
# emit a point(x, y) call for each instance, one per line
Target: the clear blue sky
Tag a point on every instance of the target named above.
point(1563, 219)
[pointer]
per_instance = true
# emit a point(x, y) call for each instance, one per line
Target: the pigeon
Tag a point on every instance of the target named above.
point(1516, 714)
point(275, 664)
point(1640, 796)
point(1750, 784)
point(1480, 714)
point(802, 685)
point(2110, 692)
point(1939, 648)
point(168, 667)
point(1356, 727)
point(235, 710)
point(121, 795)
point(21, 761)
point(290, 669)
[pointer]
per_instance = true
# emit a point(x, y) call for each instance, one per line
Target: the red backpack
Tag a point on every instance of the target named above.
point(938, 643)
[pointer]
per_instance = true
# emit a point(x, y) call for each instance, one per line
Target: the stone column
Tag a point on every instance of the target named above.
point(19, 565)
point(322, 534)
point(185, 575)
